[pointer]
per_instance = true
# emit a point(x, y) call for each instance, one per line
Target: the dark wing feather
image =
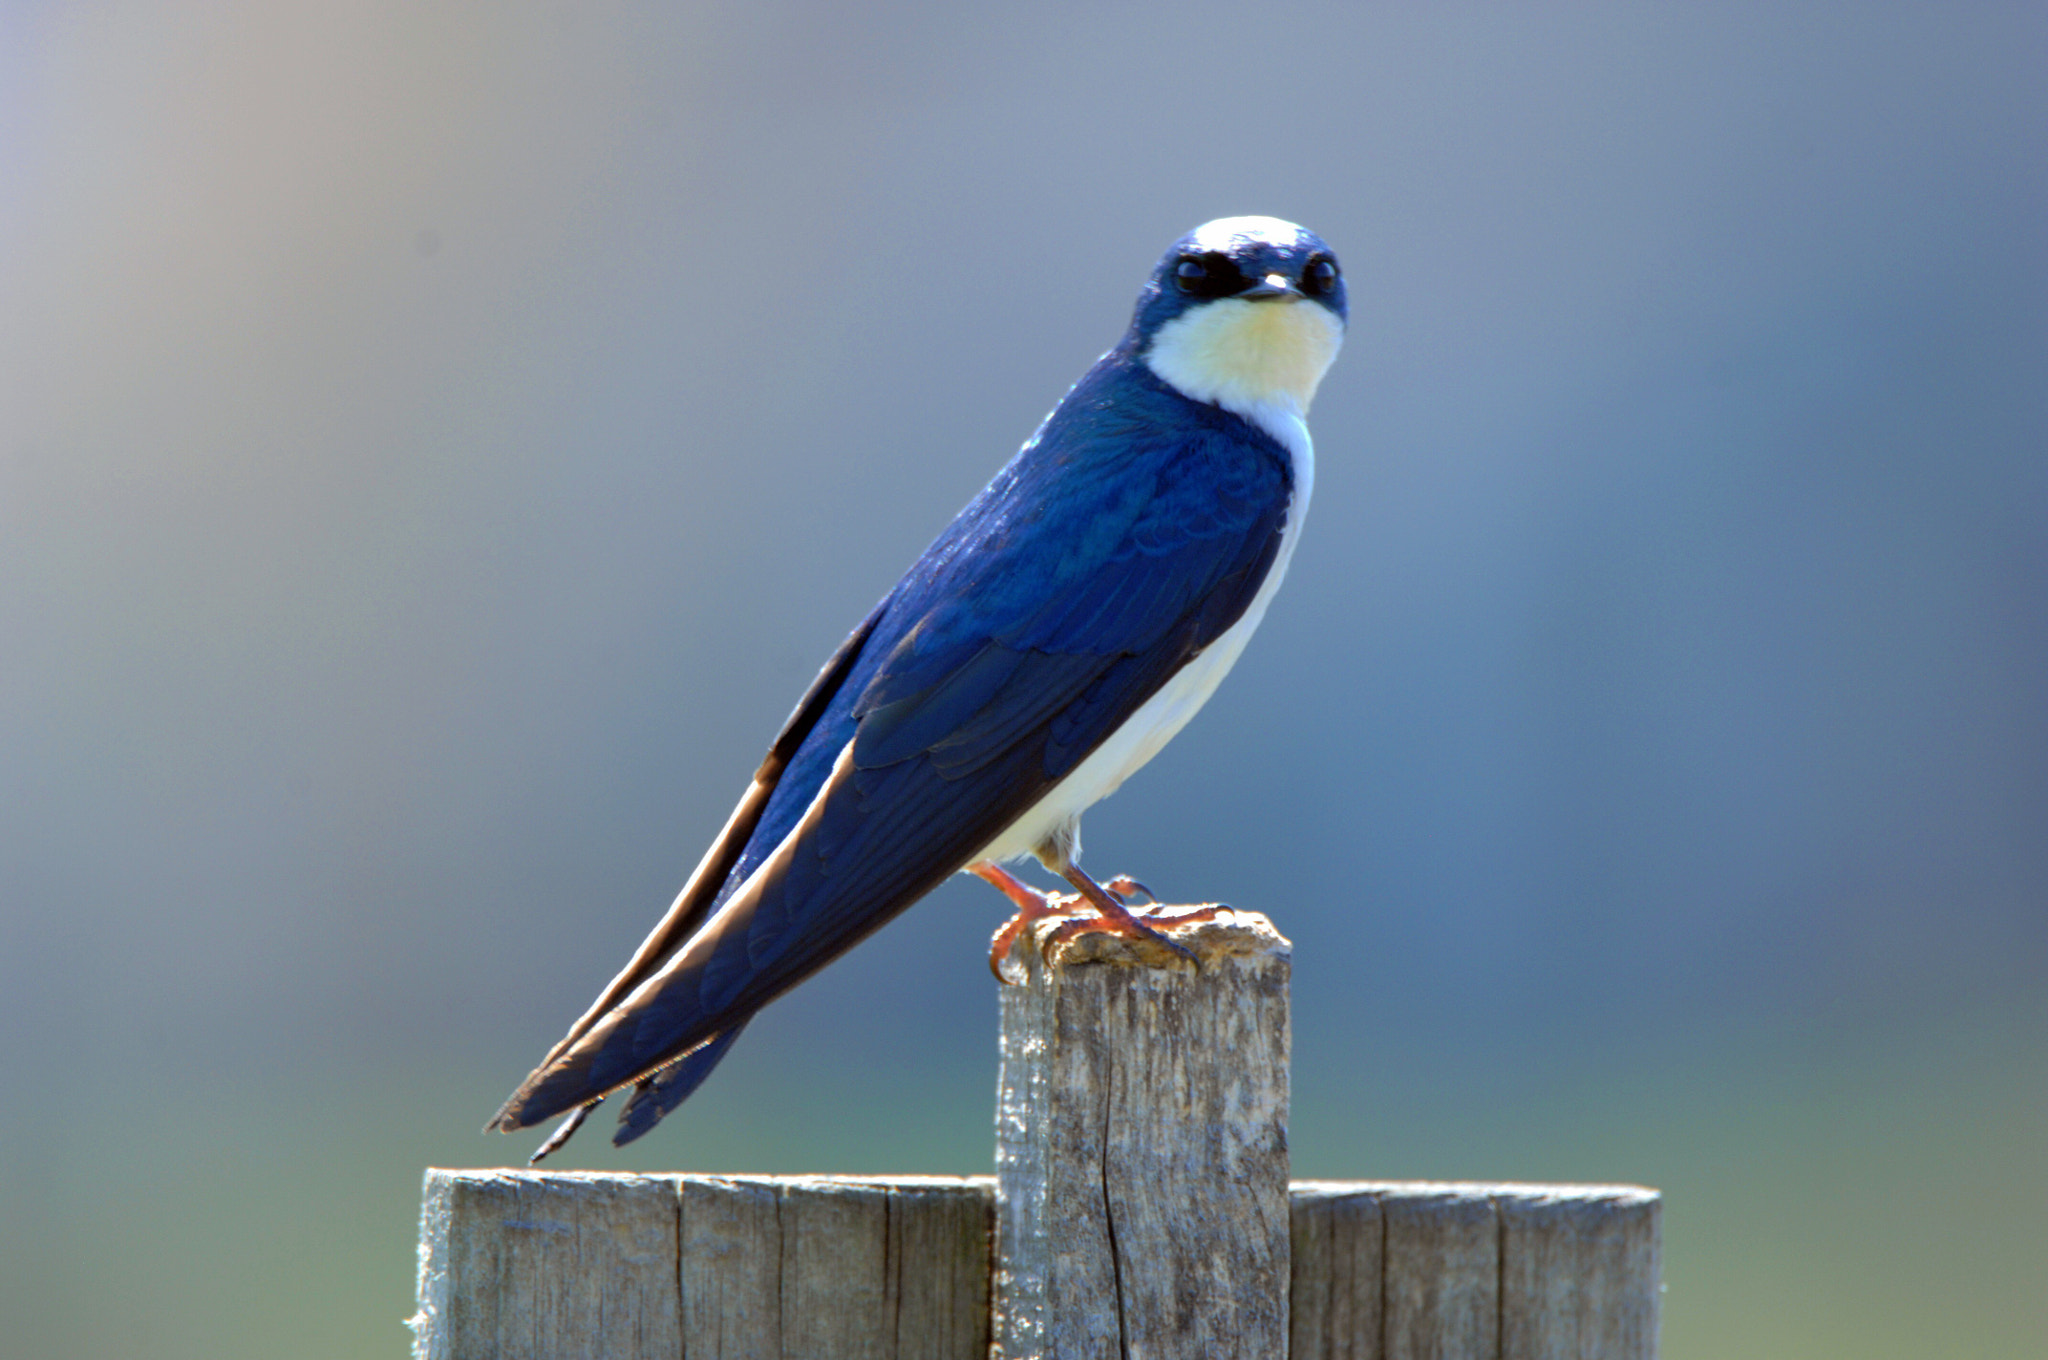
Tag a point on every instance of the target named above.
point(693, 904)
point(656, 1095)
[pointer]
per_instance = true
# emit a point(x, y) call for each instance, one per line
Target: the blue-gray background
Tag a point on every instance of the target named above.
point(440, 442)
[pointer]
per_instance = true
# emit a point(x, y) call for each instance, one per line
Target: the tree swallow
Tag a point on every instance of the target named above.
point(1045, 646)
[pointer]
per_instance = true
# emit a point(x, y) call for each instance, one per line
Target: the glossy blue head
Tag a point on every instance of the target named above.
point(1237, 257)
point(1245, 312)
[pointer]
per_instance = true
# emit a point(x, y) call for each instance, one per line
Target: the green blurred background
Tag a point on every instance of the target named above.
point(438, 442)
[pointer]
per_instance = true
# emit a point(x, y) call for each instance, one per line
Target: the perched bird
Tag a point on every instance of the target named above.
point(1046, 645)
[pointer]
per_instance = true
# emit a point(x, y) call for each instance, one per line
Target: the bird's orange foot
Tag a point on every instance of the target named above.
point(1032, 905)
point(1111, 915)
point(1142, 924)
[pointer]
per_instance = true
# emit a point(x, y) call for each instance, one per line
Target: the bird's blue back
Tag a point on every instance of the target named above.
point(1089, 547)
point(1131, 531)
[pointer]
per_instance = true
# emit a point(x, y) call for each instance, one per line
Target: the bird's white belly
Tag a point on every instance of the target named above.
point(1146, 731)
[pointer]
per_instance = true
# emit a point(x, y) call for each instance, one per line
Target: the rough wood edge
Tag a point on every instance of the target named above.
point(1232, 934)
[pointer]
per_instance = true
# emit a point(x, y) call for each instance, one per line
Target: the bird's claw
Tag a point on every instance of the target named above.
point(1125, 887)
point(1006, 938)
point(1141, 923)
point(1128, 926)
point(1114, 915)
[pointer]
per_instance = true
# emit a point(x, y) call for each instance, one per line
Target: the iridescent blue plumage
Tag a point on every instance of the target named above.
point(1132, 532)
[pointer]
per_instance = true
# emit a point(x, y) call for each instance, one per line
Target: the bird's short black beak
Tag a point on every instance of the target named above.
point(1271, 287)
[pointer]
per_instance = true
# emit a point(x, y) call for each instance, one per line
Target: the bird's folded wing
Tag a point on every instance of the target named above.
point(1014, 648)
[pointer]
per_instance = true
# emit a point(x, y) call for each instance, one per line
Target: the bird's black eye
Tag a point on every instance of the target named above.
point(1207, 275)
point(1320, 278)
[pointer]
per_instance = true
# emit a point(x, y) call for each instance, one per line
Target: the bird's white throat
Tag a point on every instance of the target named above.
point(1249, 356)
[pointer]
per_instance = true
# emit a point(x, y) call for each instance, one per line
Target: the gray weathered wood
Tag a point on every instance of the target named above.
point(565, 1266)
point(1141, 1150)
point(732, 1268)
point(1442, 1281)
point(838, 1293)
point(941, 1229)
point(520, 1263)
point(1580, 1272)
point(704, 1267)
point(1474, 1271)
point(1339, 1239)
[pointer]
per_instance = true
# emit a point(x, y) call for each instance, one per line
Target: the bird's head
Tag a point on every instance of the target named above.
point(1245, 312)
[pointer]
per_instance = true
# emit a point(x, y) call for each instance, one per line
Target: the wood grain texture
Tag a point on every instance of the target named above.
point(1580, 1271)
point(1339, 1240)
point(1442, 1287)
point(732, 1268)
point(521, 1264)
point(941, 1230)
point(566, 1266)
point(1141, 1158)
point(837, 1289)
point(1480, 1271)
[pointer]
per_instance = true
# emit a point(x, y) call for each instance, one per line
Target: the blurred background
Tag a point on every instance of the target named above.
point(438, 443)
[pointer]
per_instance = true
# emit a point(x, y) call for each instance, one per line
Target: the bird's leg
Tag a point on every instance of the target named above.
point(1115, 918)
point(1032, 905)
point(1027, 898)
point(1111, 914)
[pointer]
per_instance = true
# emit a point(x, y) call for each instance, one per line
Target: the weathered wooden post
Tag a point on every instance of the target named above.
point(531, 1265)
point(1141, 1147)
point(1142, 1209)
point(1420, 1270)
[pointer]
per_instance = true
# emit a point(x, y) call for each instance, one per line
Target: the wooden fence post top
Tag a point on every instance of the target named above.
point(1532, 1193)
point(1230, 934)
point(826, 1180)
